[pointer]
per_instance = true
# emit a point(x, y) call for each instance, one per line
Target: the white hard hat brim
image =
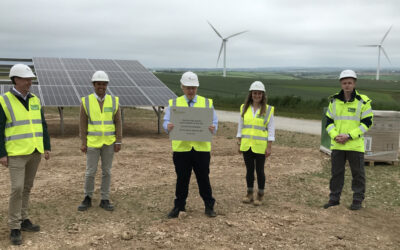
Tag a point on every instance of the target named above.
point(26, 75)
point(189, 84)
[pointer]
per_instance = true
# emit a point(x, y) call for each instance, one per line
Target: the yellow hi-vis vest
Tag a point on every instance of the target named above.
point(24, 130)
point(347, 117)
point(254, 130)
point(185, 146)
point(101, 127)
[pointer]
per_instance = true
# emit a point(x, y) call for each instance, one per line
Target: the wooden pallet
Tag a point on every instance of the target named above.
point(372, 163)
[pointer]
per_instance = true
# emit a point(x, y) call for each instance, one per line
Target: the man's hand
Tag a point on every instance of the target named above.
point(4, 161)
point(117, 147)
point(212, 129)
point(239, 141)
point(342, 138)
point(170, 126)
point(47, 154)
point(84, 148)
point(268, 152)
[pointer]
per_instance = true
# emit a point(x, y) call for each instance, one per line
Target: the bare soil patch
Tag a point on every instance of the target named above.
point(143, 187)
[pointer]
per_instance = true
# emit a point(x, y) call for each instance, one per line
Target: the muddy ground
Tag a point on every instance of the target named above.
point(143, 185)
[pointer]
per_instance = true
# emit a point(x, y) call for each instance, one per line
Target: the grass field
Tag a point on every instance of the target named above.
point(293, 97)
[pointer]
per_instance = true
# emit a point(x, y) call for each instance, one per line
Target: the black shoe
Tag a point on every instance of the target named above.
point(175, 212)
point(210, 212)
point(331, 203)
point(106, 205)
point(16, 237)
point(356, 205)
point(86, 203)
point(26, 225)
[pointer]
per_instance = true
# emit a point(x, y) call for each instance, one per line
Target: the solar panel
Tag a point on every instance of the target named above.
point(81, 78)
point(130, 96)
point(76, 64)
point(52, 77)
point(131, 66)
point(63, 81)
point(158, 94)
point(42, 63)
point(107, 65)
point(60, 96)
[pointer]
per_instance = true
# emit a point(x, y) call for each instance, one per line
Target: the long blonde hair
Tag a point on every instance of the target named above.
point(249, 100)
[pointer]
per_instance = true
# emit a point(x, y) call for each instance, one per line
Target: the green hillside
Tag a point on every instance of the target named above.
point(293, 97)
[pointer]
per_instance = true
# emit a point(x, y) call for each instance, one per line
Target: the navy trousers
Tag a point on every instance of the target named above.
point(200, 163)
point(356, 162)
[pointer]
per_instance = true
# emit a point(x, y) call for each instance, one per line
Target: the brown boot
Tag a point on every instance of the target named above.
point(258, 200)
point(248, 198)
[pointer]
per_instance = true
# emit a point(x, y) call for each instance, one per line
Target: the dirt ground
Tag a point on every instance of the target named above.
point(142, 191)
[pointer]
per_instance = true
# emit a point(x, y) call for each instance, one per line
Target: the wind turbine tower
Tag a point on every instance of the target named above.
point(380, 48)
point(223, 45)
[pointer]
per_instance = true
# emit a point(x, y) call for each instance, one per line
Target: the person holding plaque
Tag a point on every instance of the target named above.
point(188, 155)
point(256, 132)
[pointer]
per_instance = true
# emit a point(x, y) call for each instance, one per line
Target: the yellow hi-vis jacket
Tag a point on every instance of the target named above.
point(254, 131)
point(185, 146)
point(24, 130)
point(348, 119)
point(101, 127)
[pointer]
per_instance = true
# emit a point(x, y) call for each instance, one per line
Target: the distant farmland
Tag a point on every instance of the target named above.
point(301, 98)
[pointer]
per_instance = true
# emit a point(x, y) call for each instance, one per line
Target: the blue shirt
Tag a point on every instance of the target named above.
point(167, 115)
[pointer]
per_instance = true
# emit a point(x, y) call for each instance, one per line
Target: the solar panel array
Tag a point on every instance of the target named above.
point(63, 81)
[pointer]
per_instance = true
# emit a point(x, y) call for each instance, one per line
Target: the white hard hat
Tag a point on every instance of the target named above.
point(21, 70)
point(257, 85)
point(100, 76)
point(190, 79)
point(347, 73)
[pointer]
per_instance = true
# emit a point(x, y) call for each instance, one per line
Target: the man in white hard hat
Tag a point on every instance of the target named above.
point(23, 138)
point(101, 135)
point(349, 116)
point(188, 155)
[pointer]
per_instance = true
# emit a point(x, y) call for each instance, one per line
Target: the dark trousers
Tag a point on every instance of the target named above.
point(356, 161)
point(200, 163)
point(254, 161)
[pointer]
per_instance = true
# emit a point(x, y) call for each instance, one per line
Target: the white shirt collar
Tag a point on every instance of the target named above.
point(193, 100)
point(100, 99)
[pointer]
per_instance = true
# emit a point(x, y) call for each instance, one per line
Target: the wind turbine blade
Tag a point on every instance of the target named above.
point(387, 32)
point(215, 30)
point(236, 34)
point(384, 52)
point(370, 45)
point(220, 51)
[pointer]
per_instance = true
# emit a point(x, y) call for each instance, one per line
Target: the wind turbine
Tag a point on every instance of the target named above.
point(380, 48)
point(223, 45)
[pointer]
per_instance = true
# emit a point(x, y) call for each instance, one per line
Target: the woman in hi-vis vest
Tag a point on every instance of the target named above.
point(255, 135)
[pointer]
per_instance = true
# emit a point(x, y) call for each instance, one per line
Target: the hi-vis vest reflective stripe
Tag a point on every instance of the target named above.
point(347, 117)
point(254, 131)
point(185, 146)
point(101, 127)
point(24, 130)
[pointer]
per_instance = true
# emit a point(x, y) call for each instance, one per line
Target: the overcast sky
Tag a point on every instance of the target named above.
point(173, 33)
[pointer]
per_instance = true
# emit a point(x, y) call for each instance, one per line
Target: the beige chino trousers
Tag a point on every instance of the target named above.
point(22, 174)
point(106, 153)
